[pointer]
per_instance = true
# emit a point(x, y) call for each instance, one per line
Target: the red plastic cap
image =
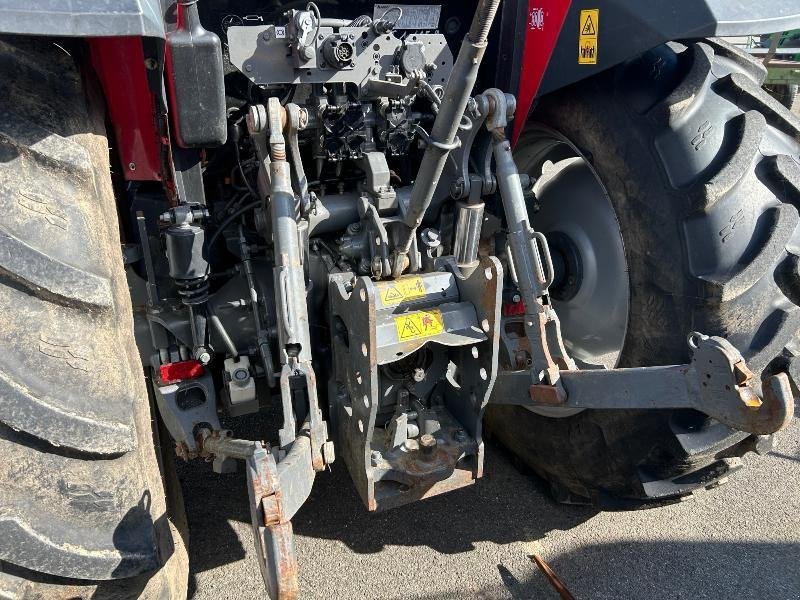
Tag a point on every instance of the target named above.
point(178, 371)
point(512, 309)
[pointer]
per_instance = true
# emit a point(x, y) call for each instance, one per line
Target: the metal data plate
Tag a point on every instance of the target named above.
point(415, 16)
point(263, 55)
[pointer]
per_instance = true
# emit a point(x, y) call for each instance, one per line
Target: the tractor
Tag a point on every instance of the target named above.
point(385, 232)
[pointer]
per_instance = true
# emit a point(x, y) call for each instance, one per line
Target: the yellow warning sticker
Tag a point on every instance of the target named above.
point(587, 37)
point(421, 324)
point(400, 290)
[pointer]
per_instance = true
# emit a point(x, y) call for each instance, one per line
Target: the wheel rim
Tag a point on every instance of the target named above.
point(573, 210)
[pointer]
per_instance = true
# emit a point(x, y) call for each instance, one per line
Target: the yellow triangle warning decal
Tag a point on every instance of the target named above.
point(401, 290)
point(588, 28)
point(392, 295)
point(419, 324)
point(410, 330)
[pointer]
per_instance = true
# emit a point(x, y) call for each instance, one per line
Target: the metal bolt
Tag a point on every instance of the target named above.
point(132, 166)
point(377, 266)
point(516, 298)
point(431, 235)
point(265, 35)
point(328, 452)
point(427, 443)
point(248, 68)
point(418, 375)
point(151, 64)
point(203, 355)
point(376, 457)
point(460, 435)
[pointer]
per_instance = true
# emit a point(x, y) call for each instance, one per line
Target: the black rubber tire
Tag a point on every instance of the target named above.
point(701, 166)
point(83, 512)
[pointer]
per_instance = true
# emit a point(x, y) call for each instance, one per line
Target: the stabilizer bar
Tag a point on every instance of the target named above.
point(717, 382)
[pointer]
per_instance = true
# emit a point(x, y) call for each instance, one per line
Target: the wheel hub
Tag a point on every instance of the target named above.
point(591, 288)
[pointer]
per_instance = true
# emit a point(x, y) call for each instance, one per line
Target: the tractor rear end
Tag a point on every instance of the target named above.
point(326, 223)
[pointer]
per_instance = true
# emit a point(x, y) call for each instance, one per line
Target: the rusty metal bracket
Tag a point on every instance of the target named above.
point(717, 382)
point(391, 461)
point(276, 491)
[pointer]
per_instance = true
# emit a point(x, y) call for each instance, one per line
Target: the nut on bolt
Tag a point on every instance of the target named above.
point(376, 266)
point(427, 443)
point(202, 355)
point(256, 118)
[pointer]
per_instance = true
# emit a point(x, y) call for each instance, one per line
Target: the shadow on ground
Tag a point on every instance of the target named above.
point(340, 543)
point(675, 570)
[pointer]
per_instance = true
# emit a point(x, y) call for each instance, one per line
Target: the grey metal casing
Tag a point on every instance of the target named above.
point(82, 18)
point(261, 55)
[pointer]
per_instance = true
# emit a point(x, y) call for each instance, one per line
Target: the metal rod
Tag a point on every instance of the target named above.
point(263, 336)
point(222, 332)
point(445, 127)
point(144, 240)
point(554, 579)
point(531, 276)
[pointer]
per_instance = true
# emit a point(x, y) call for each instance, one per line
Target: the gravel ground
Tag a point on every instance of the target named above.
point(739, 540)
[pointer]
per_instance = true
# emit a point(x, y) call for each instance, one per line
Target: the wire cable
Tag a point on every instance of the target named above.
point(230, 220)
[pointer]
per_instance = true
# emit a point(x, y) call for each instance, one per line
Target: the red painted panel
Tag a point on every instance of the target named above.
point(545, 20)
point(119, 63)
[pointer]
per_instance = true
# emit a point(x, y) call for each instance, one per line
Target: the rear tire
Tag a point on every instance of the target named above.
point(701, 167)
point(83, 510)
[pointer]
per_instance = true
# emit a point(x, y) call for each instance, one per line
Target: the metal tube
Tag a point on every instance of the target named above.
point(451, 110)
point(469, 219)
point(531, 277)
point(222, 332)
point(289, 276)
